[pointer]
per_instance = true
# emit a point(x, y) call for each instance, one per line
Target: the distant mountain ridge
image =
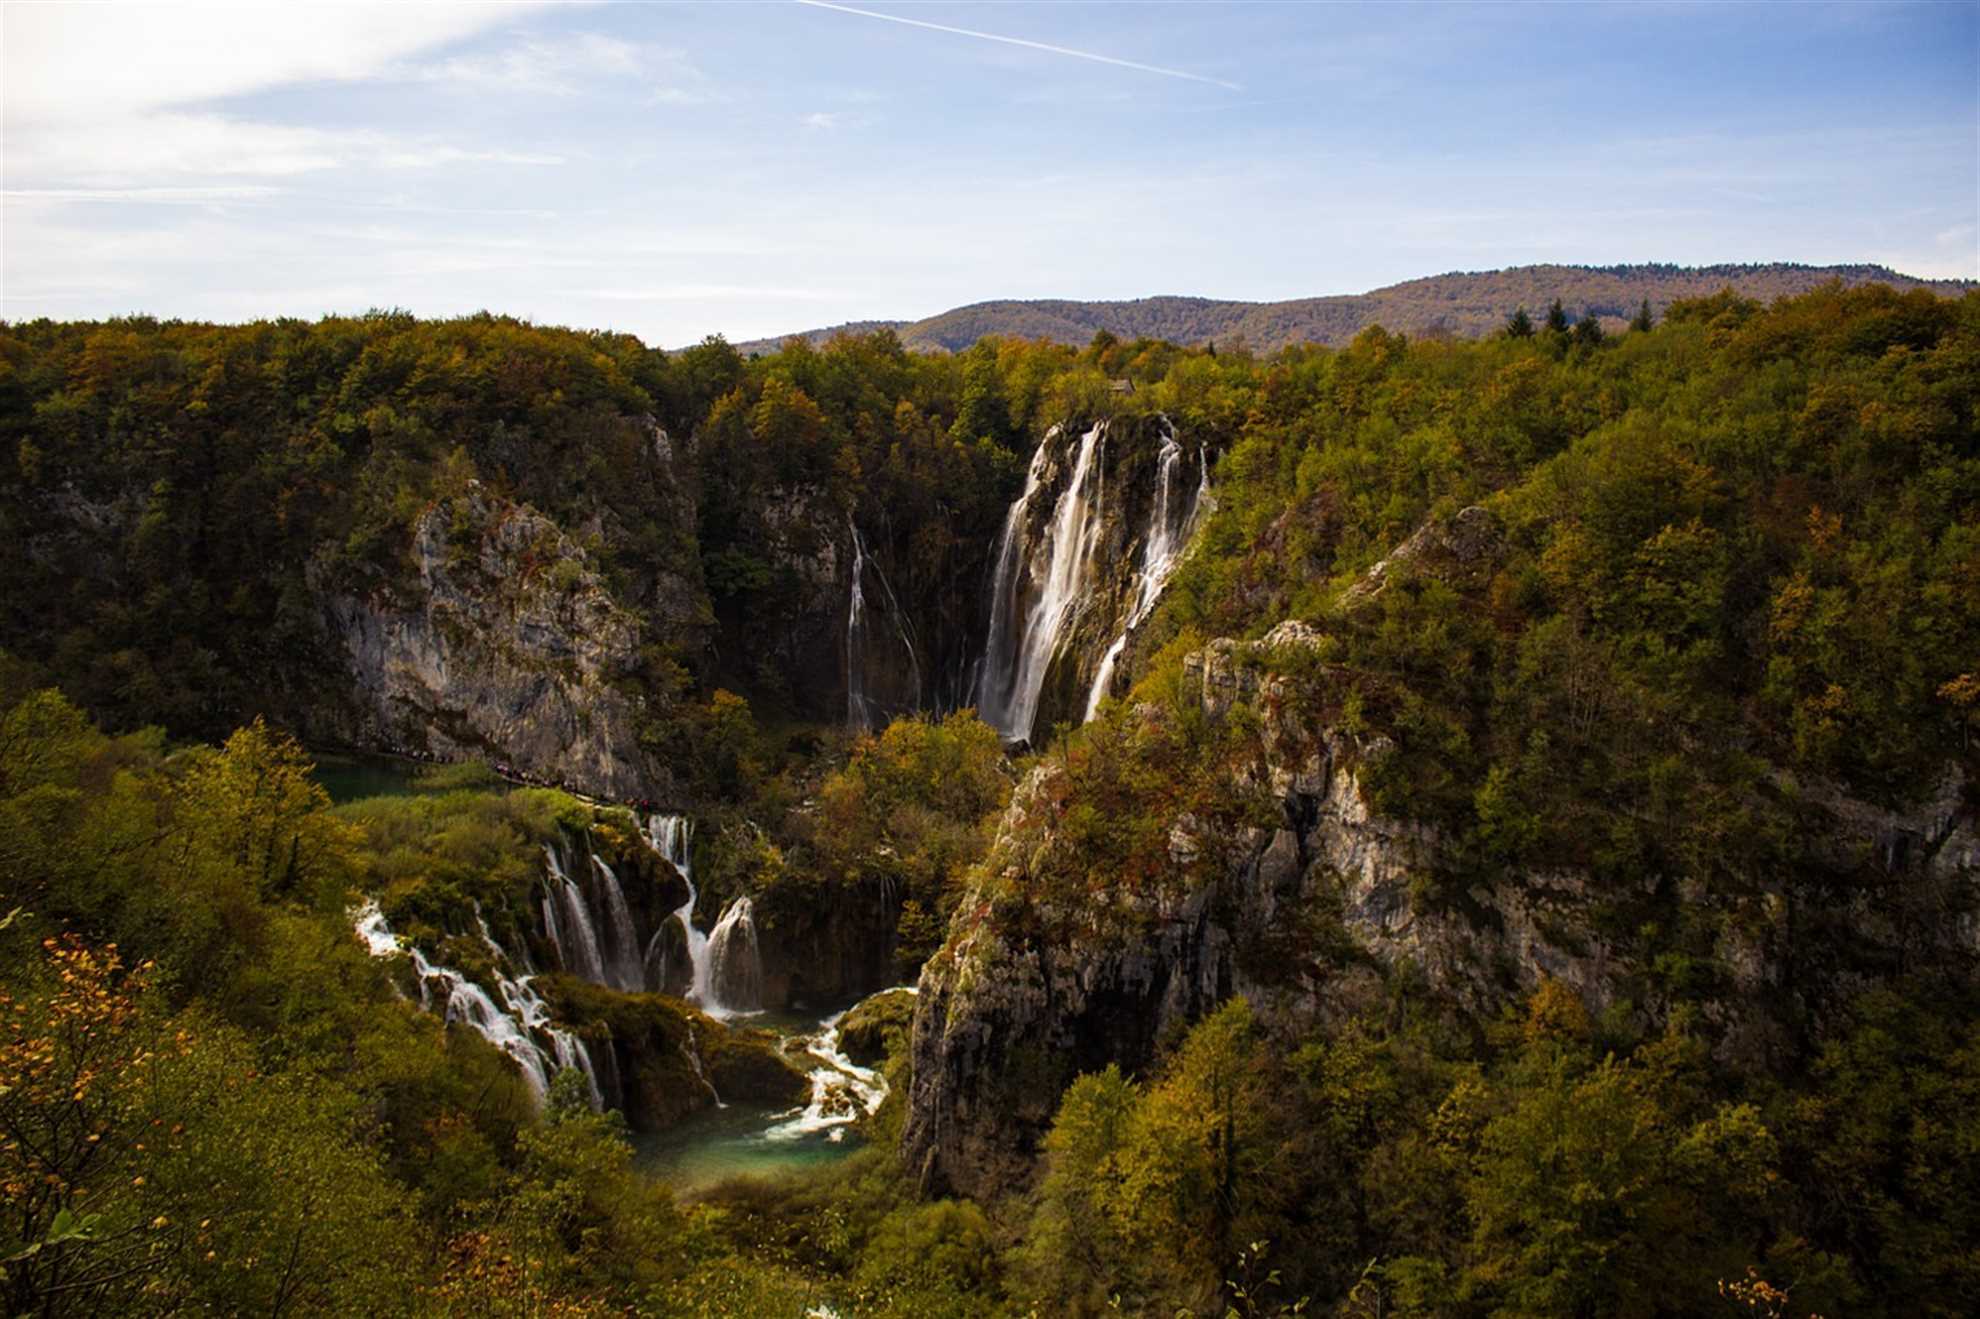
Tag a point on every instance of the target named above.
point(1462, 304)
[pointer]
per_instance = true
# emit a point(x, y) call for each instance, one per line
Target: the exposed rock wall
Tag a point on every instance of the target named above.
point(1315, 918)
point(504, 643)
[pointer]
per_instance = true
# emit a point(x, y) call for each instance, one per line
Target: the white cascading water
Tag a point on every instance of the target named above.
point(842, 1091)
point(1169, 525)
point(1020, 650)
point(672, 836)
point(727, 970)
point(735, 966)
point(518, 1027)
point(860, 709)
point(859, 716)
point(567, 920)
point(621, 937)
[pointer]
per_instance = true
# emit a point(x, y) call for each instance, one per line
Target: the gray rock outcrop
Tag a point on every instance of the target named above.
point(1323, 912)
point(505, 644)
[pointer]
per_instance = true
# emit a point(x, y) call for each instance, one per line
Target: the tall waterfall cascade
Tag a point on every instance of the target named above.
point(519, 1025)
point(1048, 574)
point(1173, 518)
point(1060, 568)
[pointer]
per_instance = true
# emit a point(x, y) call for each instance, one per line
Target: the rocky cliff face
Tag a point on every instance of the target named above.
point(504, 643)
point(1320, 909)
point(825, 946)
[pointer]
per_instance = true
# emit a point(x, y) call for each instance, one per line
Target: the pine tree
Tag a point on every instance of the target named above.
point(1519, 325)
point(1557, 320)
point(1642, 320)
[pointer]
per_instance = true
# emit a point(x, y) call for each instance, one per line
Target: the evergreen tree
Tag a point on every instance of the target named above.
point(1642, 320)
point(1519, 325)
point(1588, 330)
point(1557, 320)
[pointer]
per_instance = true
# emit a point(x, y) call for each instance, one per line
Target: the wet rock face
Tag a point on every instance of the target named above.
point(506, 644)
point(821, 950)
point(1311, 916)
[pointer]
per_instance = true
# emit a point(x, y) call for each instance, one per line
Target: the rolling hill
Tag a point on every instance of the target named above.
point(1460, 304)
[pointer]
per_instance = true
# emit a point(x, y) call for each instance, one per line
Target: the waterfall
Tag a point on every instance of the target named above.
point(621, 941)
point(693, 1052)
point(1173, 518)
point(727, 975)
point(735, 967)
point(860, 708)
point(590, 924)
point(519, 1026)
point(841, 1090)
point(1023, 642)
point(858, 716)
point(567, 920)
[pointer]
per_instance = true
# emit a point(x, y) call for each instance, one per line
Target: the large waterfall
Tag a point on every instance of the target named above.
point(519, 1026)
point(1023, 641)
point(1052, 572)
point(1173, 518)
point(726, 976)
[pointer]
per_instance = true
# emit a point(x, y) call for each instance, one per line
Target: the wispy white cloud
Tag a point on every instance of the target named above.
point(96, 61)
point(432, 157)
point(165, 149)
point(195, 196)
point(559, 66)
point(70, 125)
point(1027, 44)
point(822, 119)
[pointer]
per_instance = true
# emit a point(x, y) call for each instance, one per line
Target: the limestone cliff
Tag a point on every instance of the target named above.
point(503, 642)
point(1316, 907)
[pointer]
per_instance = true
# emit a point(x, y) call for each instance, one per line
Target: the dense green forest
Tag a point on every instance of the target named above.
point(1670, 604)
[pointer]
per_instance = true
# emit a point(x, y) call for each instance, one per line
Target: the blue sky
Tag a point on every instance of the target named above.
point(680, 169)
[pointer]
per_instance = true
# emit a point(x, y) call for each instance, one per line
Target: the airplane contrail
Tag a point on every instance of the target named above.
point(1020, 41)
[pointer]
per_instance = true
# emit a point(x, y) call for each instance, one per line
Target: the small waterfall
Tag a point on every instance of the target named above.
point(1023, 642)
point(519, 1027)
point(1173, 518)
point(862, 712)
point(727, 975)
point(735, 966)
point(567, 920)
point(590, 924)
point(859, 716)
point(842, 1091)
point(693, 1052)
point(621, 941)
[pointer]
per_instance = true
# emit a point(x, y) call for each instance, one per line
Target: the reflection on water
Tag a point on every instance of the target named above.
point(352, 778)
point(349, 777)
point(742, 1140)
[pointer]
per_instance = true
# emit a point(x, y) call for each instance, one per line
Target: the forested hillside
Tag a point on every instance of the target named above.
point(1465, 305)
point(1493, 831)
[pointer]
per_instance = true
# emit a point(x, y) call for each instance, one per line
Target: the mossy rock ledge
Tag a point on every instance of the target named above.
point(655, 1040)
